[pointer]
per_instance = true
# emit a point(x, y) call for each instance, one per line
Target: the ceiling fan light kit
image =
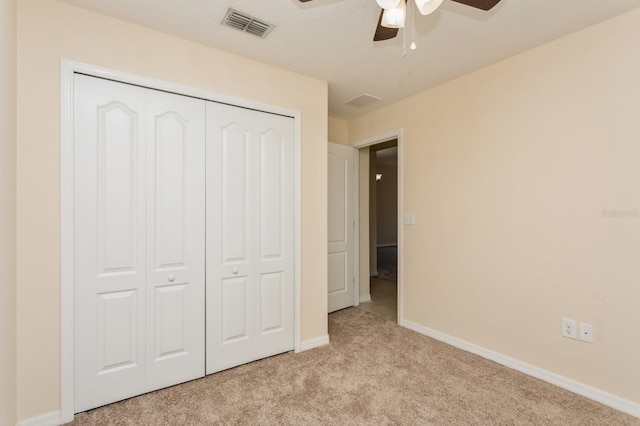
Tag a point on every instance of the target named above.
point(426, 7)
point(395, 17)
point(394, 13)
point(388, 4)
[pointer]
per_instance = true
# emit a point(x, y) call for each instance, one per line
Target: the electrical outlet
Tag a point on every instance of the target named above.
point(586, 332)
point(569, 328)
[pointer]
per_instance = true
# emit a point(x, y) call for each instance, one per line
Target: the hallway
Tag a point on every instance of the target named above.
point(384, 288)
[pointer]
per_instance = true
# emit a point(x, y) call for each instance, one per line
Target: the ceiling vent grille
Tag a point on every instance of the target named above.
point(362, 100)
point(243, 22)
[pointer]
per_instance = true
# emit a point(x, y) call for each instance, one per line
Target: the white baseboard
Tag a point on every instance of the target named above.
point(365, 298)
point(314, 343)
point(587, 391)
point(373, 273)
point(387, 245)
point(49, 419)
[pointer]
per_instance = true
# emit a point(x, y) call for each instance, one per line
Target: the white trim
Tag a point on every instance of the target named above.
point(365, 298)
point(400, 239)
point(314, 343)
point(66, 244)
point(50, 419)
point(374, 140)
point(297, 206)
point(356, 227)
point(373, 273)
point(579, 388)
point(387, 245)
point(67, 70)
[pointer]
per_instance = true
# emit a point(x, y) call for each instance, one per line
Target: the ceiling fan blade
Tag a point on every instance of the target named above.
point(384, 33)
point(479, 4)
point(303, 1)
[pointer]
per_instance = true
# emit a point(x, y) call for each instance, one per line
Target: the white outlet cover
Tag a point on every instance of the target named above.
point(569, 328)
point(586, 332)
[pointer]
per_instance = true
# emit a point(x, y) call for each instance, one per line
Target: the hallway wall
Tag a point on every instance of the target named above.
point(8, 212)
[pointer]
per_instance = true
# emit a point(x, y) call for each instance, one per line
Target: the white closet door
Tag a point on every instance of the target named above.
point(249, 236)
point(139, 240)
point(274, 235)
point(109, 241)
point(175, 239)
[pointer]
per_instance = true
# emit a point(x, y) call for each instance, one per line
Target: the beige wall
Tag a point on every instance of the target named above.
point(338, 131)
point(48, 31)
point(508, 170)
point(387, 204)
point(7, 212)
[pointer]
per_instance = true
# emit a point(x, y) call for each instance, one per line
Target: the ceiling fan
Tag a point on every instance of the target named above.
point(393, 13)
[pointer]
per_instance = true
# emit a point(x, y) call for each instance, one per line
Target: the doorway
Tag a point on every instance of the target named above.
point(380, 234)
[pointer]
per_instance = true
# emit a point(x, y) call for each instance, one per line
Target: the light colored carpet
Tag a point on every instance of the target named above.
point(373, 373)
point(384, 299)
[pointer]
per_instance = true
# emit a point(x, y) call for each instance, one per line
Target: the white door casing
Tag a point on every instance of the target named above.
point(138, 247)
point(341, 227)
point(250, 237)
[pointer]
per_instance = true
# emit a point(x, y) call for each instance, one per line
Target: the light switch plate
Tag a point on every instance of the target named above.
point(409, 218)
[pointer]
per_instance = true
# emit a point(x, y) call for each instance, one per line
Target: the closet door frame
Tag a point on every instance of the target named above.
point(68, 69)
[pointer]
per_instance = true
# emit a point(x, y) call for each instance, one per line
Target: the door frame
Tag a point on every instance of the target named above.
point(364, 143)
point(68, 68)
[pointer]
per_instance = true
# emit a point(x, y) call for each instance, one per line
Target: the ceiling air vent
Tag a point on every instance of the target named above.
point(243, 22)
point(362, 100)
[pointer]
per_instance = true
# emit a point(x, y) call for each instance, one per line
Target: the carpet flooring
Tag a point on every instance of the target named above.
point(373, 373)
point(384, 299)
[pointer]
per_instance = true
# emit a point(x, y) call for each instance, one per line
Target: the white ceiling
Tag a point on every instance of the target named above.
point(332, 39)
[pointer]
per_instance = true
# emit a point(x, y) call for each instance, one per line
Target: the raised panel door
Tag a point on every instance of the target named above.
point(175, 239)
point(138, 240)
point(274, 237)
point(341, 248)
point(250, 235)
point(109, 241)
point(229, 224)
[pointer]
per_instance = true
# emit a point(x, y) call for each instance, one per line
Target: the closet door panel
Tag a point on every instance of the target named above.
point(250, 216)
point(109, 241)
point(235, 310)
point(235, 194)
point(230, 284)
point(274, 236)
point(175, 239)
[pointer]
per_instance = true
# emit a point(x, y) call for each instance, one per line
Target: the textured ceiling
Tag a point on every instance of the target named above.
point(332, 39)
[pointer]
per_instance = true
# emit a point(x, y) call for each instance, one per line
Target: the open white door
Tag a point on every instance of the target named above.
point(341, 225)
